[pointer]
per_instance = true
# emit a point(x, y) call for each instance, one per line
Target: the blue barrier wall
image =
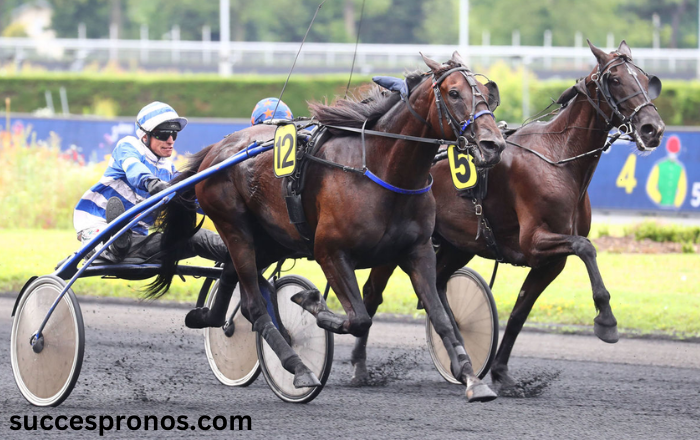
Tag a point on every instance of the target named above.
point(667, 180)
point(90, 140)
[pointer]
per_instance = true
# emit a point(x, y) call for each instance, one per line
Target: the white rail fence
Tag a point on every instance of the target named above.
point(76, 54)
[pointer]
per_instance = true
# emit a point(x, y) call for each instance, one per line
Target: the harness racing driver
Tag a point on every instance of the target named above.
point(139, 168)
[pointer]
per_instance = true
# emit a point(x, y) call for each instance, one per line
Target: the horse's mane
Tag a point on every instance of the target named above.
point(370, 106)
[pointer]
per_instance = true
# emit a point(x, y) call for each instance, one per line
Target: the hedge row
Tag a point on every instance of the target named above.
point(212, 96)
point(194, 96)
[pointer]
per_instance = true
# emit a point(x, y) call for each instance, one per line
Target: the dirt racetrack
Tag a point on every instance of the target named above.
point(140, 360)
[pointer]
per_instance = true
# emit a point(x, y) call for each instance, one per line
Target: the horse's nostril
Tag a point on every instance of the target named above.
point(491, 146)
point(648, 130)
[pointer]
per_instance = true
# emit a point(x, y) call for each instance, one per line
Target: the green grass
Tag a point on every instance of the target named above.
point(650, 293)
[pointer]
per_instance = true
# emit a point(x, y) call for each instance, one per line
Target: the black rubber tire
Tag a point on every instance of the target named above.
point(297, 322)
point(48, 377)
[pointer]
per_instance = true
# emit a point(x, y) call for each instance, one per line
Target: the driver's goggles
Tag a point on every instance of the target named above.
point(164, 135)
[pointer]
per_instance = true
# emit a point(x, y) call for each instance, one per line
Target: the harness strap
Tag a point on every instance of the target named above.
point(374, 178)
point(439, 104)
point(473, 118)
point(328, 163)
point(484, 228)
point(604, 148)
point(406, 100)
point(581, 87)
point(396, 136)
point(493, 274)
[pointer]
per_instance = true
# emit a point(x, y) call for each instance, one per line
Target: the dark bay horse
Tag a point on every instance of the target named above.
point(355, 222)
point(539, 211)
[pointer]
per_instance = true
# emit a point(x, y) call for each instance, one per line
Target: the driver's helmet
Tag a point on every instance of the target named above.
point(265, 109)
point(155, 114)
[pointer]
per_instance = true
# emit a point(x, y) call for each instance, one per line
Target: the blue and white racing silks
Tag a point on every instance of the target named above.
point(131, 165)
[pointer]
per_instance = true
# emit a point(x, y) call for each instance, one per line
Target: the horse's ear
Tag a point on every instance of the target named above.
point(654, 88)
point(494, 95)
point(433, 65)
point(600, 54)
point(567, 96)
point(624, 49)
point(457, 59)
point(412, 81)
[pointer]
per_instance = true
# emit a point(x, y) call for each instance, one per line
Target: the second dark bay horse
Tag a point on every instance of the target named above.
point(356, 223)
point(537, 203)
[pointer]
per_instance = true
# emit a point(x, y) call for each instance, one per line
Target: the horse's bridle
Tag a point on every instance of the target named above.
point(458, 128)
point(600, 79)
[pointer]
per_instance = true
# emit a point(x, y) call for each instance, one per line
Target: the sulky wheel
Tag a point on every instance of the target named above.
point(313, 344)
point(47, 378)
point(474, 309)
point(232, 355)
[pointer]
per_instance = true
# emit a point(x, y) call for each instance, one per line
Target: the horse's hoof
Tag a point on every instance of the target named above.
point(502, 383)
point(305, 378)
point(331, 322)
point(309, 300)
point(360, 376)
point(197, 318)
point(605, 333)
point(480, 392)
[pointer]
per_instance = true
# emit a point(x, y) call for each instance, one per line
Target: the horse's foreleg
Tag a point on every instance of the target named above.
point(547, 246)
point(216, 316)
point(372, 298)
point(449, 259)
point(341, 276)
point(605, 324)
point(537, 280)
point(420, 267)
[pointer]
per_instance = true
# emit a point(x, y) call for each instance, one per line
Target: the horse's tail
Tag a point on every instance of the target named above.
point(177, 222)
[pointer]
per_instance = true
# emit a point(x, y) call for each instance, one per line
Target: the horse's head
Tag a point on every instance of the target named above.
point(628, 91)
point(464, 107)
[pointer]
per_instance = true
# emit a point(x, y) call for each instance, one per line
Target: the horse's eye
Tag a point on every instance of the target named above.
point(615, 81)
point(454, 94)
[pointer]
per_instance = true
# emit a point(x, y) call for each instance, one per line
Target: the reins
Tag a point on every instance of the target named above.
point(604, 148)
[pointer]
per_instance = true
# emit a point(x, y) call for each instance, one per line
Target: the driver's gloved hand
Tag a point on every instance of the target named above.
point(154, 186)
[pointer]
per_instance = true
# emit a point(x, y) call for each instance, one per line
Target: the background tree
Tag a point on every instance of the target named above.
point(679, 19)
point(385, 21)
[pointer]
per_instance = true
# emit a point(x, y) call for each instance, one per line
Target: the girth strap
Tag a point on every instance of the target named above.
point(484, 228)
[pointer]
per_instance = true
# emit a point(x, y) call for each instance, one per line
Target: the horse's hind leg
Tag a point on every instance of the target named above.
point(372, 297)
point(537, 280)
point(202, 317)
point(419, 265)
point(341, 276)
point(238, 236)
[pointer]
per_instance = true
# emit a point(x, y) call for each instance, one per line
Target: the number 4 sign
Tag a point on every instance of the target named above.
point(626, 178)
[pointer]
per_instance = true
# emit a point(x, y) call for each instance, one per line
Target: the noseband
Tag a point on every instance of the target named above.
point(600, 79)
